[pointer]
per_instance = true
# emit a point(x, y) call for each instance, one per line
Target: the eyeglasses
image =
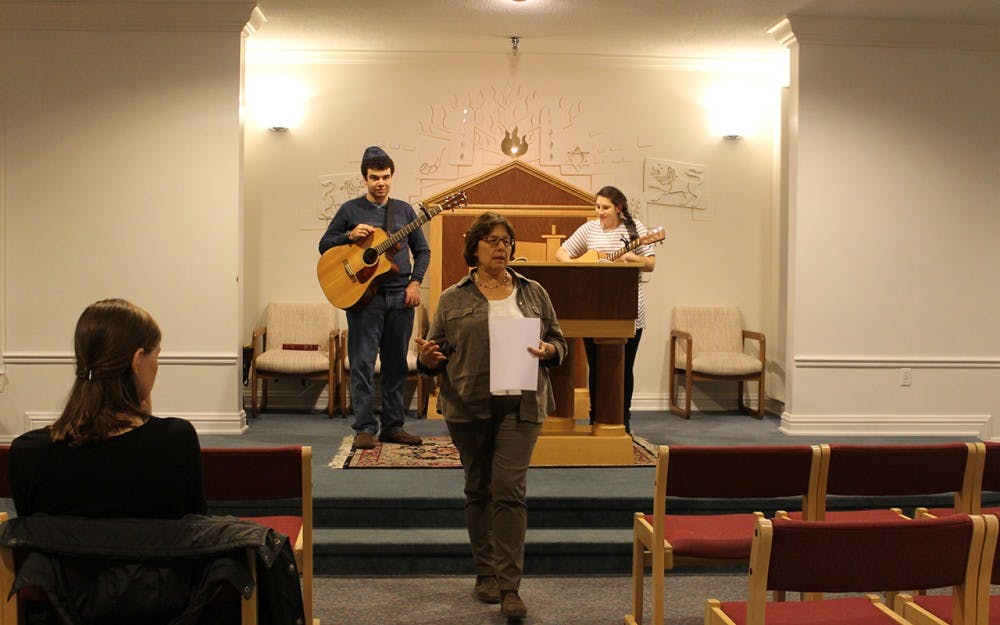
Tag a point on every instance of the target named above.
point(495, 241)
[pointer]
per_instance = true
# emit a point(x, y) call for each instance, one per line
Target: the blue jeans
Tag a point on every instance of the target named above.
point(382, 328)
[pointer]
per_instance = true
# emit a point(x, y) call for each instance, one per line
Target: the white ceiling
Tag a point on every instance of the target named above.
point(654, 28)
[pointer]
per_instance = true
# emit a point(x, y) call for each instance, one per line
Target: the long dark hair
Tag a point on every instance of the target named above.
point(482, 227)
point(620, 201)
point(104, 397)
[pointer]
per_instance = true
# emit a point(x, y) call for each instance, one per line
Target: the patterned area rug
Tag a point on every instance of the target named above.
point(437, 452)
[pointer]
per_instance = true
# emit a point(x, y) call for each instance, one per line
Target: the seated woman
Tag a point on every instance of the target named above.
point(107, 455)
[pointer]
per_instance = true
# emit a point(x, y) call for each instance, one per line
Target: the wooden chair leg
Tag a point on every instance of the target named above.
point(345, 382)
point(638, 573)
point(760, 396)
point(331, 392)
point(687, 394)
point(676, 408)
point(253, 393)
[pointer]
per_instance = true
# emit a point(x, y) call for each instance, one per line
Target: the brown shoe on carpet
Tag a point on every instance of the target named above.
point(487, 589)
point(401, 437)
point(364, 440)
point(512, 606)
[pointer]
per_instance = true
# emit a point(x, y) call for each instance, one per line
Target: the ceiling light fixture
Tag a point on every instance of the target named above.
point(515, 41)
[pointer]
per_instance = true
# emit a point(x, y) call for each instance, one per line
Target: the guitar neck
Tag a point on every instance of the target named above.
point(403, 232)
point(628, 248)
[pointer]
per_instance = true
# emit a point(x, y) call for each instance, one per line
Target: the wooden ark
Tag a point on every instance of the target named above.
point(543, 209)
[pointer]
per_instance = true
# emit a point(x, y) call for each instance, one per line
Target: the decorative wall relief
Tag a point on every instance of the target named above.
point(334, 190)
point(672, 183)
point(482, 129)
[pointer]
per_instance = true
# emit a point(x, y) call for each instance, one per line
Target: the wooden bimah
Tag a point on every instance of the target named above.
point(599, 301)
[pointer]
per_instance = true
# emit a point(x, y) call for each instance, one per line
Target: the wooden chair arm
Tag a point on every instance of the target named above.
point(762, 344)
point(259, 333)
point(676, 335)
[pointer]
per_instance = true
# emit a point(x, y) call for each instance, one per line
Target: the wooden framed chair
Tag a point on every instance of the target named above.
point(897, 470)
point(247, 481)
point(663, 540)
point(812, 557)
point(424, 384)
point(940, 609)
point(986, 480)
point(298, 341)
point(708, 344)
point(133, 535)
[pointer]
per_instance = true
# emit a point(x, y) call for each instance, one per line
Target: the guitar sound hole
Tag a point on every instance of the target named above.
point(369, 256)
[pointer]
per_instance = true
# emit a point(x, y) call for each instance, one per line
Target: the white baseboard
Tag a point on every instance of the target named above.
point(958, 425)
point(699, 401)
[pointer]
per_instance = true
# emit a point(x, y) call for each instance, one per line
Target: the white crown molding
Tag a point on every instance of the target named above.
point(269, 56)
point(885, 33)
point(190, 15)
point(892, 362)
point(169, 359)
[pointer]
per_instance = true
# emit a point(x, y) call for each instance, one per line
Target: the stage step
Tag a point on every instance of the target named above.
point(565, 535)
point(432, 551)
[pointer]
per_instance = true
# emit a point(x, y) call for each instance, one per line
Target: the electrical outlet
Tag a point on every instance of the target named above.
point(905, 376)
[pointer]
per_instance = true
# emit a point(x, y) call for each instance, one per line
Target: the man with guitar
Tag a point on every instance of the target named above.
point(615, 236)
point(381, 323)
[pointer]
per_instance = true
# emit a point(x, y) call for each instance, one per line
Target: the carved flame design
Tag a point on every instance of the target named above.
point(512, 145)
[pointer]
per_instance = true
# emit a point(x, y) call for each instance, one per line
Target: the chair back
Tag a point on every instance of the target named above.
point(991, 469)
point(738, 472)
point(6, 491)
point(252, 473)
point(299, 323)
point(712, 329)
point(893, 470)
point(816, 556)
point(735, 473)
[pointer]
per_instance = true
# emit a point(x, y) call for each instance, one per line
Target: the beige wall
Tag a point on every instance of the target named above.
point(121, 164)
point(895, 229)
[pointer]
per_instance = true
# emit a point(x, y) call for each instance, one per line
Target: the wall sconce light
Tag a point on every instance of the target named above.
point(731, 110)
point(277, 103)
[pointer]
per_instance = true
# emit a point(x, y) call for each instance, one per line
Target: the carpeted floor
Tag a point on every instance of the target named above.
point(437, 452)
point(550, 600)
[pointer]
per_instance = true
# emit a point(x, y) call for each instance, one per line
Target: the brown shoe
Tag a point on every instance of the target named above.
point(364, 440)
point(401, 437)
point(487, 589)
point(512, 606)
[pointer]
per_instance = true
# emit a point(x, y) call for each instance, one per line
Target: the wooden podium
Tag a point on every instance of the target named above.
point(599, 301)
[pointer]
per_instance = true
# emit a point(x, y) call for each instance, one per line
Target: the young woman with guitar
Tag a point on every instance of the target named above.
point(614, 236)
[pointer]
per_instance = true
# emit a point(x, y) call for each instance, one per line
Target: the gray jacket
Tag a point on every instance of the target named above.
point(461, 328)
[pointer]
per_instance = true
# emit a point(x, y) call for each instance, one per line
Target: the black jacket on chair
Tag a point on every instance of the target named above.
point(151, 570)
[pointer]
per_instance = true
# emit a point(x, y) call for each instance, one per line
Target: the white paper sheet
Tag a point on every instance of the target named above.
point(512, 366)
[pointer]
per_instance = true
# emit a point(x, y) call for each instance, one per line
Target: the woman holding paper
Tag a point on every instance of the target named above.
point(494, 420)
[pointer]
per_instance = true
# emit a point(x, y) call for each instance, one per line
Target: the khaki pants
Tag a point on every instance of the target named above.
point(495, 456)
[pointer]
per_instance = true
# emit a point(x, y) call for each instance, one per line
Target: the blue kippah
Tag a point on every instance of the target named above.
point(373, 152)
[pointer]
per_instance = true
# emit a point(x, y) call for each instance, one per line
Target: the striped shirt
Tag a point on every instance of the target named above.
point(591, 236)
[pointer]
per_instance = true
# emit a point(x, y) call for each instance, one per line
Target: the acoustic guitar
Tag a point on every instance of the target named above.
point(350, 274)
point(593, 256)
